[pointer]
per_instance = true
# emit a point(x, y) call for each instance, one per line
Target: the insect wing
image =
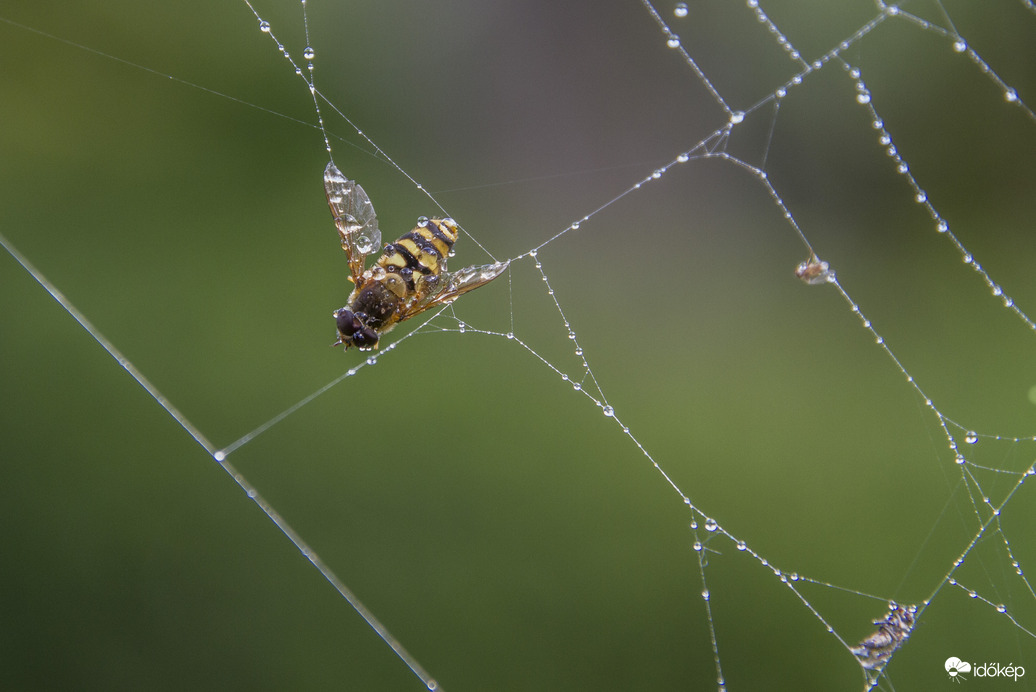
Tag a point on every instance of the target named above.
point(456, 284)
point(354, 217)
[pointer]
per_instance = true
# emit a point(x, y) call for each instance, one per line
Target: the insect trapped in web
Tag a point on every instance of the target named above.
point(408, 278)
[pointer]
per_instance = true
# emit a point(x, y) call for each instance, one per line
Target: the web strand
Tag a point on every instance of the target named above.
point(220, 456)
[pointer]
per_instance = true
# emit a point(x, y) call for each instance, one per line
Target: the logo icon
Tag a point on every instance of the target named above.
point(956, 668)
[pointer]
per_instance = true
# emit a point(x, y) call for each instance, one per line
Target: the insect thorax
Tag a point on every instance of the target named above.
point(375, 299)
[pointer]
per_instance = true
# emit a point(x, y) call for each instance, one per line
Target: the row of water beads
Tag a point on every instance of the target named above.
point(308, 53)
point(606, 409)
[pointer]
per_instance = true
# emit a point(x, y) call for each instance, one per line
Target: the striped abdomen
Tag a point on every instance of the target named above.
point(419, 256)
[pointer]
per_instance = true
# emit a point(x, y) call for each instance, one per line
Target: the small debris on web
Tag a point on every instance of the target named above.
point(815, 271)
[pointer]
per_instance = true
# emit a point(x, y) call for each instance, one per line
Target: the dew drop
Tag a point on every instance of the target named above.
point(959, 46)
point(705, 595)
point(308, 53)
point(863, 98)
point(219, 456)
point(1001, 608)
point(680, 10)
point(710, 524)
point(1010, 95)
point(264, 26)
point(608, 411)
point(422, 221)
point(942, 226)
point(683, 158)
point(971, 437)
point(510, 335)
point(741, 545)
point(921, 197)
point(372, 360)
point(364, 245)
point(673, 42)
point(960, 460)
point(737, 117)
point(576, 386)
point(697, 546)
point(781, 93)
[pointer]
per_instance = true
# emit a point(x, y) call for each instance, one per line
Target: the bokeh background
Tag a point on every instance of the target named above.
point(502, 528)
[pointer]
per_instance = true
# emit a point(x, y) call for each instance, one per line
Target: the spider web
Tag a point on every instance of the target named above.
point(801, 456)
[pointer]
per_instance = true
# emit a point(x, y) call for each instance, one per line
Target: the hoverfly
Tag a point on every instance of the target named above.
point(410, 275)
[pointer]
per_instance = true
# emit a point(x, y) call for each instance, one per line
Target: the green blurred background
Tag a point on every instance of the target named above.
point(503, 529)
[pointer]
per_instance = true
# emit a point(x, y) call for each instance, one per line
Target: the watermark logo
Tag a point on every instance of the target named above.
point(959, 670)
point(956, 668)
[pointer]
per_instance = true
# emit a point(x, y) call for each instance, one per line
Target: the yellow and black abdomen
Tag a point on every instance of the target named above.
point(419, 257)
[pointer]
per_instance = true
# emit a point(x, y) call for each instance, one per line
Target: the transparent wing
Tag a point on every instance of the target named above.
point(354, 216)
point(456, 284)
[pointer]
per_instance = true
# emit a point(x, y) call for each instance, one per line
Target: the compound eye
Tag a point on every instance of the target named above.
point(365, 339)
point(347, 322)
